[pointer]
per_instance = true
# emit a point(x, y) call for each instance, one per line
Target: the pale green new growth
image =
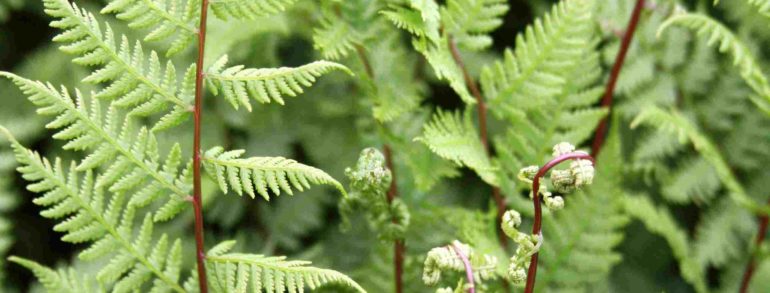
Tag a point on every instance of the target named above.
point(262, 173)
point(265, 84)
point(248, 9)
point(470, 21)
point(239, 272)
point(445, 259)
point(166, 19)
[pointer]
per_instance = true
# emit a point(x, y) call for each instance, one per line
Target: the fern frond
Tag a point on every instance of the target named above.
point(265, 84)
point(694, 181)
point(262, 173)
point(659, 221)
point(762, 6)
point(335, 38)
point(675, 123)
point(469, 21)
point(454, 138)
point(728, 43)
point(109, 225)
point(239, 272)
point(167, 19)
point(248, 9)
point(131, 160)
point(143, 89)
point(56, 281)
point(722, 234)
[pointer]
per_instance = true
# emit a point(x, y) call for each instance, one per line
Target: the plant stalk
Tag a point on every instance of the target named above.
point(751, 266)
point(197, 111)
point(468, 267)
point(537, 226)
point(601, 130)
point(483, 136)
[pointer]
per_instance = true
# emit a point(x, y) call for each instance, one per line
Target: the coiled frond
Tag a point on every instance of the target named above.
point(108, 223)
point(167, 19)
point(265, 84)
point(62, 280)
point(454, 138)
point(262, 173)
point(144, 89)
point(239, 272)
point(445, 259)
point(248, 9)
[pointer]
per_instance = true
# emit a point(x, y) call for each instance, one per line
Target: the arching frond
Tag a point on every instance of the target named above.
point(239, 272)
point(762, 6)
point(167, 19)
point(262, 173)
point(131, 160)
point(91, 217)
point(248, 9)
point(143, 89)
point(62, 280)
point(454, 138)
point(469, 21)
point(265, 84)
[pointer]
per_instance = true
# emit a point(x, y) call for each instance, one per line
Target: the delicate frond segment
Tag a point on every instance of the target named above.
point(56, 281)
point(173, 20)
point(248, 9)
point(470, 21)
point(453, 136)
point(144, 87)
point(239, 272)
point(264, 175)
point(266, 84)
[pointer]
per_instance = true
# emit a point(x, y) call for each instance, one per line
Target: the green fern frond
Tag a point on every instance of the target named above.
point(659, 221)
point(335, 38)
point(694, 181)
point(56, 281)
point(248, 9)
point(762, 6)
point(239, 272)
point(143, 89)
point(262, 173)
point(168, 20)
point(130, 160)
point(454, 138)
point(675, 123)
point(722, 235)
point(89, 217)
point(728, 43)
point(469, 21)
point(265, 84)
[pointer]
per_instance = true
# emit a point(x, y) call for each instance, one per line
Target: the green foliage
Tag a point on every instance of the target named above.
point(62, 280)
point(167, 20)
point(248, 9)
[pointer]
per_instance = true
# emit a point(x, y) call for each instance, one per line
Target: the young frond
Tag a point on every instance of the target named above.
point(335, 38)
point(534, 73)
point(265, 84)
point(728, 43)
point(248, 9)
point(88, 216)
point(57, 281)
point(131, 160)
point(239, 272)
point(469, 21)
point(675, 123)
point(167, 19)
point(262, 173)
point(762, 6)
point(145, 89)
point(454, 137)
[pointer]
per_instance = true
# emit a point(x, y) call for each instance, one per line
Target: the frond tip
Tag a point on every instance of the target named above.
point(260, 173)
point(240, 272)
point(264, 84)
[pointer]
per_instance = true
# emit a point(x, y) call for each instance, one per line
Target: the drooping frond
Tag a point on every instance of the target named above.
point(469, 21)
point(167, 19)
point(248, 9)
point(131, 160)
point(659, 221)
point(454, 137)
point(730, 44)
point(677, 124)
point(145, 89)
point(265, 84)
point(91, 217)
point(262, 173)
point(239, 272)
point(61, 280)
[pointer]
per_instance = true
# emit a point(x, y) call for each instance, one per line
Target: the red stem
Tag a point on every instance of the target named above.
point(537, 226)
point(601, 130)
point(482, 113)
point(749, 272)
point(468, 267)
point(199, 246)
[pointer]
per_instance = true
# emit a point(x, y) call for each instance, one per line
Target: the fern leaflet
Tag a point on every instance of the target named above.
point(167, 20)
point(56, 281)
point(248, 9)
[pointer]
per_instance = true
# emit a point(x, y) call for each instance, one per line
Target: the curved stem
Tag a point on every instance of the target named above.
point(468, 267)
point(537, 226)
point(197, 111)
point(749, 272)
point(601, 130)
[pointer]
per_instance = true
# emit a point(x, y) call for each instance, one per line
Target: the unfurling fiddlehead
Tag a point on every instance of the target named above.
point(458, 257)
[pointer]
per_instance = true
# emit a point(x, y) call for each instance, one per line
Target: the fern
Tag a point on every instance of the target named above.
point(168, 20)
point(260, 173)
point(469, 21)
point(62, 280)
point(264, 85)
point(238, 272)
point(143, 89)
point(248, 9)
